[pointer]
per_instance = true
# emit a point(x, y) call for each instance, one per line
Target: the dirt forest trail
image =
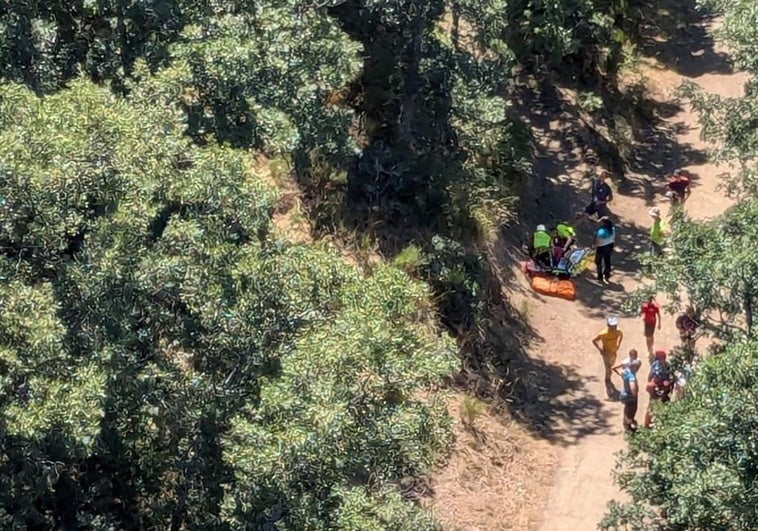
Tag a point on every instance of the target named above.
point(586, 430)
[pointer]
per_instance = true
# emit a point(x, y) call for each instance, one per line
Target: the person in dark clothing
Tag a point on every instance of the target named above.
point(687, 324)
point(678, 187)
point(601, 196)
point(605, 239)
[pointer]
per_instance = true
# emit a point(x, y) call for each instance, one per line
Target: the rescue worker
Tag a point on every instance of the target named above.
point(565, 237)
point(541, 243)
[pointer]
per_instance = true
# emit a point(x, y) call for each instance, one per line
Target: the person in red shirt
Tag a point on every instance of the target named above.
point(678, 187)
point(651, 316)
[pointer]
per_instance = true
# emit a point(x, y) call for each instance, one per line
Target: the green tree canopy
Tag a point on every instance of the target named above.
point(716, 264)
point(165, 362)
point(698, 468)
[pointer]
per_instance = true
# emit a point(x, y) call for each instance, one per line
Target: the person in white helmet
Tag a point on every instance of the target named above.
point(542, 242)
point(608, 342)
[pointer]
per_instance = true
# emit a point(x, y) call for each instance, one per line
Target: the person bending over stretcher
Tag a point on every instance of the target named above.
point(541, 249)
point(564, 239)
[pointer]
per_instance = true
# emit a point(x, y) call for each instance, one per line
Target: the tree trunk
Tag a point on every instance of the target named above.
point(412, 83)
point(747, 301)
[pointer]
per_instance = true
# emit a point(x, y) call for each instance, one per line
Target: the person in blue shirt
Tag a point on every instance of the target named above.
point(630, 393)
point(605, 239)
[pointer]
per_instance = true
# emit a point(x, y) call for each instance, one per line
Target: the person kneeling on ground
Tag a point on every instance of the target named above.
point(630, 393)
point(541, 247)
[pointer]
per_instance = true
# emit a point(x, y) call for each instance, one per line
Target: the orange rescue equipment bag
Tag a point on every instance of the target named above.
point(554, 287)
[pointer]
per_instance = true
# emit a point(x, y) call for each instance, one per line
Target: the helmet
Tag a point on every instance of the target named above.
point(677, 172)
point(612, 321)
point(541, 228)
point(660, 355)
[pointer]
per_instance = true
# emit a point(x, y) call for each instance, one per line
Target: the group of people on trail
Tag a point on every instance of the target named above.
point(678, 189)
point(661, 380)
point(548, 247)
point(686, 323)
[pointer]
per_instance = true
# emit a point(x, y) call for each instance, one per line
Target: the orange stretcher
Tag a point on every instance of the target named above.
point(554, 287)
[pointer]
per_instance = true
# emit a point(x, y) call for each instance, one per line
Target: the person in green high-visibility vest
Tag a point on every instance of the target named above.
point(541, 247)
point(656, 232)
point(564, 235)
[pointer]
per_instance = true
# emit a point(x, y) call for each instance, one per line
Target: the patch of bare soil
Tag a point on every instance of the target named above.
point(495, 475)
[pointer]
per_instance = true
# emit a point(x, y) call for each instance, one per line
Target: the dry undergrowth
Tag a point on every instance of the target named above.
point(497, 472)
point(289, 220)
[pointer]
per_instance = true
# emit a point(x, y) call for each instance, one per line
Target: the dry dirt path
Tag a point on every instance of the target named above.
point(587, 430)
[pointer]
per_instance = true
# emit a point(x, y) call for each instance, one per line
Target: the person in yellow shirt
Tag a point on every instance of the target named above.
point(608, 342)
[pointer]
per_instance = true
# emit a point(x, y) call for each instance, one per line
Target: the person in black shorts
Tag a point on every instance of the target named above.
point(630, 393)
point(601, 196)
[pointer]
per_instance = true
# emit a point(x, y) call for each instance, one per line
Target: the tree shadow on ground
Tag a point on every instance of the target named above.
point(570, 137)
point(674, 32)
point(653, 158)
point(553, 401)
point(398, 192)
point(401, 194)
point(565, 140)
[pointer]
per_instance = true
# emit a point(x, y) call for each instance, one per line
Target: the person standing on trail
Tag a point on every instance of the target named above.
point(660, 383)
point(687, 325)
point(656, 232)
point(678, 188)
point(605, 239)
point(630, 393)
point(608, 342)
point(651, 315)
point(601, 196)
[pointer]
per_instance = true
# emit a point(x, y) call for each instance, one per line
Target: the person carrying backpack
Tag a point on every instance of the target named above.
point(660, 382)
